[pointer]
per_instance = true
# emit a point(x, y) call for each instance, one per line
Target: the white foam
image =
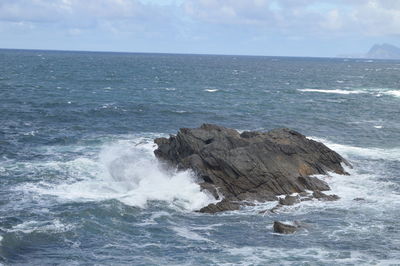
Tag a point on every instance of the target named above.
point(129, 172)
point(336, 91)
point(186, 233)
point(368, 180)
point(265, 256)
point(36, 226)
point(395, 93)
point(392, 154)
point(377, 92)
point(211, 90)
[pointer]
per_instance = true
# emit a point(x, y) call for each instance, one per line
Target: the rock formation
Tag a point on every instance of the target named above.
point(282, 228)
point(248, 166)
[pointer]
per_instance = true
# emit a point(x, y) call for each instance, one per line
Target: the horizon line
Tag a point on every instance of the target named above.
point(174, 53)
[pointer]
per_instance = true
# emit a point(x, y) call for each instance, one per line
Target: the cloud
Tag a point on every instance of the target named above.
point(378, 18)
point(220, 26)
point(310, 17)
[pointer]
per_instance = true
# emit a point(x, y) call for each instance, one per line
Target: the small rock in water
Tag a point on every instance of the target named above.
point(289, 200)
point(282, 228)
point(223, 205)
point(358, 199)
point(322, 196)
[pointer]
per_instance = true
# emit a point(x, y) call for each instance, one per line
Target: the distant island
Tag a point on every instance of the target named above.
point(378, 51)
point(383, 51)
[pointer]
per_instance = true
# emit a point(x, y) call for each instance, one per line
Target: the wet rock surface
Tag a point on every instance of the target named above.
point(251, 165)
point(289, 200)
point(322, 196)
point(282, 228)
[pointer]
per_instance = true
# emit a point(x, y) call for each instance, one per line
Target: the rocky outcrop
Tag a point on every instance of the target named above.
point(249, 166)
point(289, 200)
point(322, 196)
point(282, 228)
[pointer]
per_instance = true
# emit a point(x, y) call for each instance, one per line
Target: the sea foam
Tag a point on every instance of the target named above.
point(336, 91)
point(392, 154)
point(395, 93)
point(126, 171)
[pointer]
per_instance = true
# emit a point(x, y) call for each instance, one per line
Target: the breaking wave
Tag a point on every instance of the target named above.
point(125, 171)
point(337, 91)
point(395, 93)
point(392, 154)
point(378, 92)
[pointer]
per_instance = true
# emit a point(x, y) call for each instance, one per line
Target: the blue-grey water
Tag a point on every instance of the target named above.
point(79, 184)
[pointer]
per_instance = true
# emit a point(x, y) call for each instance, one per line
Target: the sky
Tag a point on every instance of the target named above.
point(320, 28)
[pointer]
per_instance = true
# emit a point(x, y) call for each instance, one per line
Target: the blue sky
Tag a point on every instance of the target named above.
point(250, 27)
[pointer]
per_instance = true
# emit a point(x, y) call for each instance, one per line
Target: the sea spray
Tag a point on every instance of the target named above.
point(128, 172)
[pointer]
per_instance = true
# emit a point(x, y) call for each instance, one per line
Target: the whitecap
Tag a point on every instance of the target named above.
point(211, 90)
point(38, 226)
point(186, 233)
point(395, 93)
point(30, 133)
point(336, 91)
point(170, 89)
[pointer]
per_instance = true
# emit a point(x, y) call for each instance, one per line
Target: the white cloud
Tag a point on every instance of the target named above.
point(362, 17)
point(309, 17)
point(209, 25)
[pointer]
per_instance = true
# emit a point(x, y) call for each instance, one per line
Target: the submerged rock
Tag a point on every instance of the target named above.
point(282, 228)
point(359, 199)
point(251, 165)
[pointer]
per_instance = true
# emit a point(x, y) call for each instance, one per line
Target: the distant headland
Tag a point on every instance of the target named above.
point(378, 51)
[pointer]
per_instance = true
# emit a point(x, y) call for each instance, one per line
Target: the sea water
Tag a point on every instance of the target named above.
point(79, 183)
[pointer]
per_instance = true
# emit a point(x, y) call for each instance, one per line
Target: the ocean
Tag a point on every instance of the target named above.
point(79, 184)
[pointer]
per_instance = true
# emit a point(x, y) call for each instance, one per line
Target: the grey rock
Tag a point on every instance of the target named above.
point(322, 196)
point(282, 228)
point(249, 166)
point(224, 205)
point(289, 200)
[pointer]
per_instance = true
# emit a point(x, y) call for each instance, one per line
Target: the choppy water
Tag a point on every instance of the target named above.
point(79, 183)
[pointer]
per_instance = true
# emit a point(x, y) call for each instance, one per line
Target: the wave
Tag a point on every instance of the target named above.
point(188, 234)
point(259, 255)
point(392, 154)
point(378, 92)
point(395, 93)
point(369, 180)
point(336, 91)
point(126, 171)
